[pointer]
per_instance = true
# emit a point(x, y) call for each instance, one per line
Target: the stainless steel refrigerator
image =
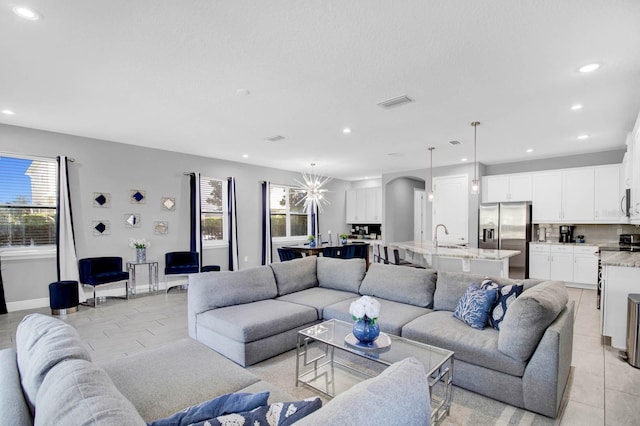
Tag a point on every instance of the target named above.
point(507, 226)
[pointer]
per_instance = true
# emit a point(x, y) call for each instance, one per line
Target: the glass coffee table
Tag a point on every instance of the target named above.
point(318, 366)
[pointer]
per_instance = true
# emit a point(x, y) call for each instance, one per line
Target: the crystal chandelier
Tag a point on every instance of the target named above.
point(312, 188)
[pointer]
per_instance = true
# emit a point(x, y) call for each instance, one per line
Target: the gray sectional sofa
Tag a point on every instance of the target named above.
point(49, 379)
point(251, 315)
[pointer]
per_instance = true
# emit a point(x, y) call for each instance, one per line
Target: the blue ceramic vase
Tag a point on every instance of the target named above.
point(312, 243)
point(344, 241)
point(366, 331)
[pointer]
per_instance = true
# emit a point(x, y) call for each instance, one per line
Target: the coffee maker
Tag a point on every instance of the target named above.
point(566, 233)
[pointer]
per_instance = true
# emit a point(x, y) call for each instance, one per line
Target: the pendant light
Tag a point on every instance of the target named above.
point(475, 183)
point(430, 194)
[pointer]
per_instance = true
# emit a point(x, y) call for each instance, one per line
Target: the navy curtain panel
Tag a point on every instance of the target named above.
point(315, 221)
point(195, 243)
point(3, 302)
point(267, 250)
point(233, 225)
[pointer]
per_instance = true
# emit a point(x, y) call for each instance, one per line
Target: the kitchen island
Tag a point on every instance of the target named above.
point(620, 277)
point(457, 258)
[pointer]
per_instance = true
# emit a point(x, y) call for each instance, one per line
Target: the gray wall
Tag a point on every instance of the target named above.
point(398, 204)
point(116, 168)
point(583, 160)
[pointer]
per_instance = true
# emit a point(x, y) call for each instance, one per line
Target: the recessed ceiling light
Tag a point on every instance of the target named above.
point(346, 130)
point(463, 159)
point(530, 150)
point(582, 137)
point(589, 67)
point(8, 112)
point(26, 13)
point(576, 107)
point(243, 92)
point(245, 155)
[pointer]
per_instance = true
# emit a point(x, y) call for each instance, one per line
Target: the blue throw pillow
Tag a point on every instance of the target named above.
point(225, 404)
point(506, 295)
point(474, 306)
point(278, 414)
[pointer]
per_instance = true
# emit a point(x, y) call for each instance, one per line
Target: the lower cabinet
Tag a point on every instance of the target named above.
point(563, 262)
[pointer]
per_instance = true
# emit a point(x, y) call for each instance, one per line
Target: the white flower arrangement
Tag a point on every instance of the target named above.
point(138, 244)
point(365, 308)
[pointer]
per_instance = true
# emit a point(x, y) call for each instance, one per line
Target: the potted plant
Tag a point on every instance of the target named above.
point(312, 241)
point(343, 237)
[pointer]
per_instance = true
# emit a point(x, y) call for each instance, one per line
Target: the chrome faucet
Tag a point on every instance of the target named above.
point(435, 234)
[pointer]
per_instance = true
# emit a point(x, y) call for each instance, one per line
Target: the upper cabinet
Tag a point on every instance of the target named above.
point(503, 188)
point(364, 205)
point(608, 201)
point(547, 197)
point(578, 194)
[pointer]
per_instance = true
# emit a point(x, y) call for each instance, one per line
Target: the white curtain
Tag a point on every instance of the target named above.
point(267, 255)
point(65, 241)
point(233, 226)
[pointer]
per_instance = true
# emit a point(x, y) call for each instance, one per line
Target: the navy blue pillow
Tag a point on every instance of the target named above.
point(506, 295)
point(225, 404)
point(278, 414)
point(474, 306)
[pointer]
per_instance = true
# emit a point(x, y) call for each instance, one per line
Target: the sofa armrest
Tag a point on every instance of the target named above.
point(548, 369)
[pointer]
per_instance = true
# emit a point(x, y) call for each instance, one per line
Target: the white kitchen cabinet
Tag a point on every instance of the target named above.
point(561, 266)
point(505, 188)
point(585, 265)
point(578, 199)
point(608, 194)
point(364, 205)
point(539, 261)
point(547, 197)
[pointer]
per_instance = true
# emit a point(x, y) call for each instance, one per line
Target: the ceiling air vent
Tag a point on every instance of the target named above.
point(394, 102)
point(275, 138)
point(454, 142)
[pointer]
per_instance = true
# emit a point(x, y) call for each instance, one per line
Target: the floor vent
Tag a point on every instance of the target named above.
point(394, 102)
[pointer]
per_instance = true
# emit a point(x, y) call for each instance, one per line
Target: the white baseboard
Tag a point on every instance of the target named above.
point(21, 305)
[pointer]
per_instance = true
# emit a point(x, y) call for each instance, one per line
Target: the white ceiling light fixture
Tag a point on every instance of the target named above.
point(464, 159)
point(430, 194)
point(313, 189)
point(245, 155)
point(8, 112)
point(26, 13)
point(346, 130)
point(576, 107)
point(529, 150)
point(589, 68)
point(475, 183)
point(583, 137)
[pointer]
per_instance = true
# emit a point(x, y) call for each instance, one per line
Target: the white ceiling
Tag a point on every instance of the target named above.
point(164, 74)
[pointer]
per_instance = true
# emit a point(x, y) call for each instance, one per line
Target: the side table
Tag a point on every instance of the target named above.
point(153, 274)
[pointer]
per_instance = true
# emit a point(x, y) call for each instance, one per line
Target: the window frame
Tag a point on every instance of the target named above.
point(288, 237)
point(224, 242)
point(40, 250)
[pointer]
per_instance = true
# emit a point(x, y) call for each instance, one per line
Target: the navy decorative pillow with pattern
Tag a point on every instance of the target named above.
point(474, 306)
point(506, 295)
point(278, 414)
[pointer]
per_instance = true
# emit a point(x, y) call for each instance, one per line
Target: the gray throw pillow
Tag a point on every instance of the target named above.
point(295, 275)
point(529, 316)
point(341, 274)
point(413, 286)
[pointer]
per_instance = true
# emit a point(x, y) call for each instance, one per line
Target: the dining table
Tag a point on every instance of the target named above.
point(307, 250)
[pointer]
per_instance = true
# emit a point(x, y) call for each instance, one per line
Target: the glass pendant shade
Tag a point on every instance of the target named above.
point(475, 183)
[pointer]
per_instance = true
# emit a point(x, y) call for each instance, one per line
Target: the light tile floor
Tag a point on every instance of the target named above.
point(602, 388)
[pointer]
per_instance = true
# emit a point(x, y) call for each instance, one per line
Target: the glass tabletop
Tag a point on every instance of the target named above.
point(334, 332)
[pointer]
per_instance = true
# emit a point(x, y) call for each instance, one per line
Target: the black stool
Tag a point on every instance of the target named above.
point(210, 268)
point(63, 297)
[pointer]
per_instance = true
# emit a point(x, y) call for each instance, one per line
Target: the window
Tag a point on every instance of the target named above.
point(288, 218)
point(27, 201)
point(213, 205)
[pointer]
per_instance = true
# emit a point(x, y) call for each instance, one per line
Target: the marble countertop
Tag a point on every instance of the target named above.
point(620, 258)
point(426, 248)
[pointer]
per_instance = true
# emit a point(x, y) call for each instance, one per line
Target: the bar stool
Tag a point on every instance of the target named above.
point(63, 297)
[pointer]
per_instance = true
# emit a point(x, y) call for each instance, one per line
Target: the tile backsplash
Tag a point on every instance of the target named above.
point(592, 233)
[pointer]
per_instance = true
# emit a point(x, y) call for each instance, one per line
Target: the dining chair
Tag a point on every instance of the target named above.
point(95, 271)
point(286, 254)
point(402, 262)
point(348, 251)
point(332, 252)
point(360, 251)
point(180, 263)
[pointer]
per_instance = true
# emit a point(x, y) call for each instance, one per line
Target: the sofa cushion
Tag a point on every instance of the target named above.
point(227, 288)
point(12, 403)
point(474, 306)
point(276, 414)
point(413, 286)
point(529, 316)
point(506, 295)
point(295, 275)
point(317, 297)
point(224, 404)
point(77, 392)
point(254, 321)
point(341, 274)
point(41, 343)
point(397, 396)
point(477, 347)
point(393, 315)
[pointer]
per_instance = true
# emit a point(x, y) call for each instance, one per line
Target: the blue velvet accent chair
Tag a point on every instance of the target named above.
point(95, 271)
point(286, 254)
point(180, 263)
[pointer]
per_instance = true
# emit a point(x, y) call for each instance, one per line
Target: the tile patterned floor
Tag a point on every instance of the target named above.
point(603, 390)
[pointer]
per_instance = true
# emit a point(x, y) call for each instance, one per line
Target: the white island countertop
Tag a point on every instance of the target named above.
point(446, 250)
point(620, 258)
